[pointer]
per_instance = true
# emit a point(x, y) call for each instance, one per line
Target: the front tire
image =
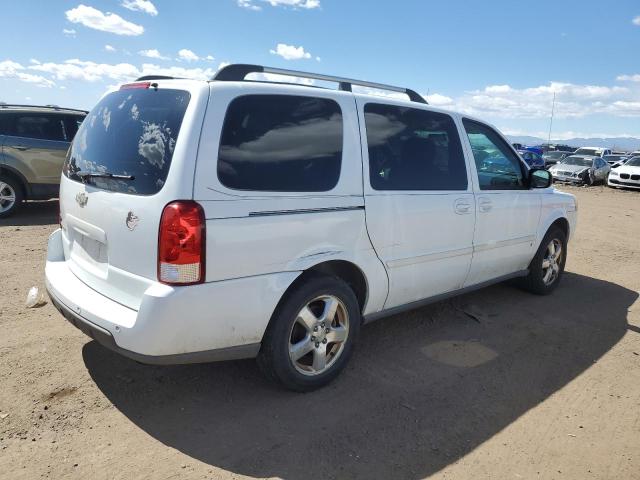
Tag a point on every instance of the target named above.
point(10, 196)
point(547, 267)
point(311, 335)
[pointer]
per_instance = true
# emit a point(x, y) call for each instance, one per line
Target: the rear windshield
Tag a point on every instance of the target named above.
point(130, 133)
point(582, 162)
point(587, 151)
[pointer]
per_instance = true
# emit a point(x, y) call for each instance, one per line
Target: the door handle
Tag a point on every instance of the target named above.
point(21, 147)
point(462, 206)
point(484, 205)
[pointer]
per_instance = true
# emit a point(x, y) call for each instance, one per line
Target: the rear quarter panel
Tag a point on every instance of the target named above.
point(258, 233)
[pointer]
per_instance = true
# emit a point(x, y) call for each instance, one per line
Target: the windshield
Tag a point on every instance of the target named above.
point(613, 158)
point(588, 151)
point(634, 162)
point(131, 132)
point(583, 162)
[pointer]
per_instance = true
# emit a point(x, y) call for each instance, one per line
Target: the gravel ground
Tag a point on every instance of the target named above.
point(495, 384)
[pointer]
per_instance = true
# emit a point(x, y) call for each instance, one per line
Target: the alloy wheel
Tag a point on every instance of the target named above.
point(7, 197)
point(318, 335)
point(551, 262)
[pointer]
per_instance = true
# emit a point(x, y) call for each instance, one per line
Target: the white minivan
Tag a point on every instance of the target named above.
point(235, 218)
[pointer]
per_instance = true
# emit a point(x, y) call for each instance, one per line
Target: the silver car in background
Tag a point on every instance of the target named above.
point(580, 169)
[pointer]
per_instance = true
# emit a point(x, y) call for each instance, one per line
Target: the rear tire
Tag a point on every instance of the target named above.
point(311, 335)
point(11, 196)
point(547, 266)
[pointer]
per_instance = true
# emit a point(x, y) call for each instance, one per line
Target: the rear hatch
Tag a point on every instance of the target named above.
point(134, 153)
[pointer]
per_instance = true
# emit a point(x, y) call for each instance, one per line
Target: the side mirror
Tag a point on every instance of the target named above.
point(540, 178)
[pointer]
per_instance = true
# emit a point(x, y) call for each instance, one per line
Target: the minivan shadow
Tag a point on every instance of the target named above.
point(423, 389)
point(33, 213)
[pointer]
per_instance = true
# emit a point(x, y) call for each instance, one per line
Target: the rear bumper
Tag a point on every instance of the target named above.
point(200, 323)
point(104, 338)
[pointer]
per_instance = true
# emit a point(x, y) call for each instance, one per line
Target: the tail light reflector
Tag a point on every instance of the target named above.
point(181, 244)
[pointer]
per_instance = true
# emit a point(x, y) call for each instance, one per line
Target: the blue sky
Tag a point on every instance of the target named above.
point(501, 60)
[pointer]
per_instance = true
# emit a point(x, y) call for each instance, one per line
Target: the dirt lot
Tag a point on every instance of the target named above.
point(531, 388)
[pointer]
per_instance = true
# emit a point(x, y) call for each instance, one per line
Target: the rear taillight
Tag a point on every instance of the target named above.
point(181, 244)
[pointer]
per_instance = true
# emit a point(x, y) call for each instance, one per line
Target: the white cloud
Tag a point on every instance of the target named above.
point(290, 52)
point(209, 58)
point(572, 101)
point(152, 53)
point(249, 5)
point(188, 55)
point(295, 4)
point(438, 100)
point(109, 48)
point(110, 22)
point(565, 135)
point(629, 78)
point(636, 21)
point(10, 69)
point(145, 6)
point(173, 71)
point(88, 71)
point(69, 32)
point(272, 77)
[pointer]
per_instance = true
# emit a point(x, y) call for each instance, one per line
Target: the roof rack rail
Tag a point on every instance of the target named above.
point(238, 72)
point(154, 77)
point(50, 107)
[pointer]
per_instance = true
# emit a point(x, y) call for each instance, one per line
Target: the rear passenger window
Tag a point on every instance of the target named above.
point(281, 143)
point(43, 127)
point(412, 149)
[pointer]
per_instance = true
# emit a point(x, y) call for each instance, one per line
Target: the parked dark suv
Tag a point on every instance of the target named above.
point(33, 145)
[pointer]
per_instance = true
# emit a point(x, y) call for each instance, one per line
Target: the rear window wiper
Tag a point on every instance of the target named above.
point(84, 176)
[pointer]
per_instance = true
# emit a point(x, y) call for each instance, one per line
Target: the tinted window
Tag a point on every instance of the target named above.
point(580, 161)
point(130, 132)
point(499, 168)
point(411, 149)
point(281, 143)
point(4, 124)
point(72, 123)
point(40, 126)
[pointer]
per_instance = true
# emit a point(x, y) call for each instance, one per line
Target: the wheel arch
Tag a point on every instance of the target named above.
point(346, 271)
point(16, 175)
point(561, 223)
point(556, 218)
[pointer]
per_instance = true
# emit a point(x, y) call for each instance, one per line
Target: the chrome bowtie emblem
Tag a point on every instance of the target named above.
point(132, 220)
point(82, 199)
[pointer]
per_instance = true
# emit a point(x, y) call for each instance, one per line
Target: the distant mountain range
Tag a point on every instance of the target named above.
point(617, 143)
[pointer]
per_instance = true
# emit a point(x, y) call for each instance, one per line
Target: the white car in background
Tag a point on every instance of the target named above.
point(627, 175)
point(593, 151)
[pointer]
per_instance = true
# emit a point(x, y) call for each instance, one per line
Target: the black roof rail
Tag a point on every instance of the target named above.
point(238, 72)
point(154, 77)
point(49, 107)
